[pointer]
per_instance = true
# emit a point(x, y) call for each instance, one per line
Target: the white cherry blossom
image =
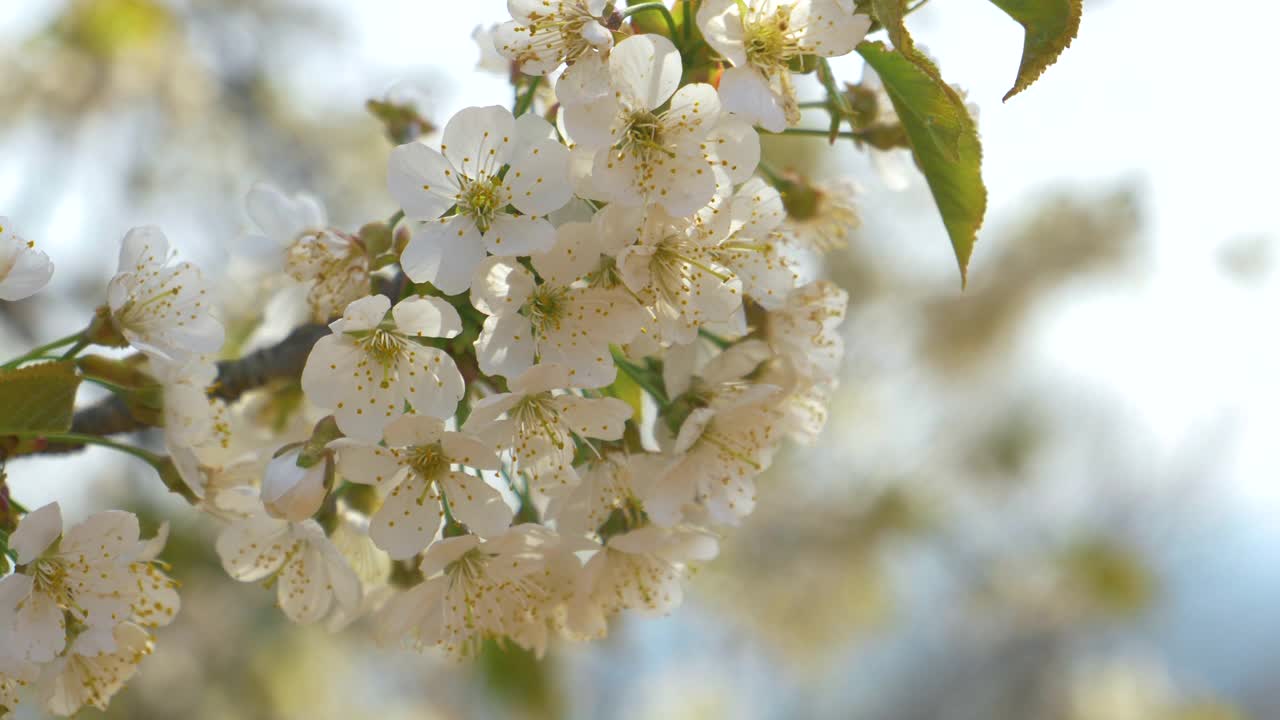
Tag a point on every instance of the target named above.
point(91, 673)
point(24, 270)
point(672, 269)
point(721, 447)
point(281, 217)
point(370, 563)
point(466, 175)
point(547, 33)
point(83, 574)
point(611, 482)
point(805, 333)
point(805, 402)
point(310, 575)
point(752, 245)
point(372, 364)
point(160, 307)
point(549, 322)
point(642, 154)
point(537, 423)
point(760, 38)
point(475, 590)
point(823, 215)
point(191, 417)
point(420, 466)
point(332, 262)
point(15, 677)
point(639, 570)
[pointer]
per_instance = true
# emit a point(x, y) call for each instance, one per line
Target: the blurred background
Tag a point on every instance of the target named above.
point(1054, 495)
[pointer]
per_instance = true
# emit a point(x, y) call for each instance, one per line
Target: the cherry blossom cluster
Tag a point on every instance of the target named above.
point(549, 383)
point(76, 615)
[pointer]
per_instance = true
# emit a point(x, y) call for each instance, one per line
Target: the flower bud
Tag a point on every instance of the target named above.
point(293, 493)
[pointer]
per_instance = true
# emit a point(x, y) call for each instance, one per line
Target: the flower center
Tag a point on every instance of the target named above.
point(768, 40)
point(675, 262)
point(382, 345)
point(642, 135)
point(481, 200)
point(606, 275)
point(49, 576)
point(546, 306)
point(428, 460)
point(536, 415)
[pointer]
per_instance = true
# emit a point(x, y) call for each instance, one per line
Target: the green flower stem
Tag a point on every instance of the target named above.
point(526, 101)
point(80, 344)
point(660, 7)
point(150, 458)
point(37, 352)
point(687, 8)
point(839, 107)
point(642, 377)
point(816, 132)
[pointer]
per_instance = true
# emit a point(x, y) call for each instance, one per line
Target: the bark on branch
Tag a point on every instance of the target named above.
point(281, 361)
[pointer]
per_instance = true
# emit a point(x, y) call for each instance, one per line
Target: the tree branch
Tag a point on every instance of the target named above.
point(282, 361)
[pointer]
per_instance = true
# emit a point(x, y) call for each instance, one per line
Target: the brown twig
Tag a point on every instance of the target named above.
point(281, 361)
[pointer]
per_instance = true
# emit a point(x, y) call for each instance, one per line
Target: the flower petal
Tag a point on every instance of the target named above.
point(574, 255)
point(422, 181)
point(586, 80)
point(408, 518)
point(745, 92)
point(519, 235)
point(476, 504)
point(646, 69)
point(591, 125)
point(479, 140)
point(36, 532)
point(412, 430)
point(506, 345)
point(302, 590)
point(734, 147)
point(437, 394)
point(501, 286)
point(143, 246)
point(110, 536)
point(39, 628)
point(254, 548)
point(603, 418)
point(538, 181)
point(827, 29)
point(418, 316)
point(721, 24)
point(470, 451)
point(445, 253)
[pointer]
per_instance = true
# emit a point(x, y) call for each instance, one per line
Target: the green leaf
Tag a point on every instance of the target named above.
point(38, 398)
point(890, 13)
point(943, 137)
point(1051, 25)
